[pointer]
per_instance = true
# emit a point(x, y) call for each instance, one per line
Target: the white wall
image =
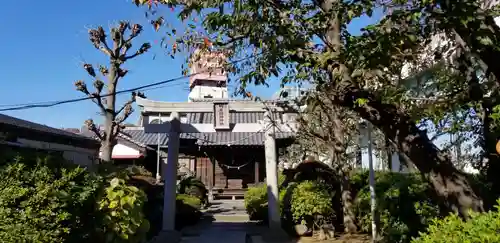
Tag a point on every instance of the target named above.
point(81, 156)
point(199, 92)
point(123, 151)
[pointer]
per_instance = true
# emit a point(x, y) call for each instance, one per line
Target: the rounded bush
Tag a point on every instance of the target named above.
point(311, 204)
point(194, 187)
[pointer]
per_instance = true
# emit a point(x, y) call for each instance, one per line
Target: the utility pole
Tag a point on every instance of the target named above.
point(158, 177)
point(373, 200)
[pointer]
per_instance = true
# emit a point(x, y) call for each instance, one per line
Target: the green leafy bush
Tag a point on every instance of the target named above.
point(43, 199)
point(187, 210)
point(255, 199)
point(122, 209)
point(194, 187)
point(480, 228)
point(311, 204)
point(404, 204)
point(256, 202)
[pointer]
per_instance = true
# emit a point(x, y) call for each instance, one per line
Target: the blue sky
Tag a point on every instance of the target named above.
point(44, 43)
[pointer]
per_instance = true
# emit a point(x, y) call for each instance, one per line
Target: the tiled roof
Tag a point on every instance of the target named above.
point(142, 138)
point(234, 138)
point(210, 138)
point(13, 121)
point(234, 117)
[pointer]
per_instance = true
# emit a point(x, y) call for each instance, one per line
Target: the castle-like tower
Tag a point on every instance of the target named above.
point(209, 80)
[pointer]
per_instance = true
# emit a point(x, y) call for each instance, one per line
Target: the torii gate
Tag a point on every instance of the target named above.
point(174, 127)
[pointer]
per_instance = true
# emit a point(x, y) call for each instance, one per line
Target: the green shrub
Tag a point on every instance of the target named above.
point(187, 210)
point(404, 204)
point(194, 187)
point(256, 199)
point(256, 202)
point(43, 199)
point(480, 228)
point(121, 207)
point(311, 204)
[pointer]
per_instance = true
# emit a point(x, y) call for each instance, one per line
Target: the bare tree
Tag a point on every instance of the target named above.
point(122, 36)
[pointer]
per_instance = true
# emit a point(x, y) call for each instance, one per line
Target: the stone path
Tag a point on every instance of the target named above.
point(223, 222)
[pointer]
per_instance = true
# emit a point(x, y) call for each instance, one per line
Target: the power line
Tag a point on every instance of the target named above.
point(46, 104)
point(56, 103)
point(52, 102)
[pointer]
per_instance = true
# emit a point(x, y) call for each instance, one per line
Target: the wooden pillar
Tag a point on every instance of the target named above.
point(170, 174)
point(271, 173)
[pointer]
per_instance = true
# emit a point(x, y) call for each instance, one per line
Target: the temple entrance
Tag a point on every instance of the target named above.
point(228, 171)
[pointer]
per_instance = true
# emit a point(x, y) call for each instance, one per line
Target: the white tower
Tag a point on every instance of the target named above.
point(209, 80)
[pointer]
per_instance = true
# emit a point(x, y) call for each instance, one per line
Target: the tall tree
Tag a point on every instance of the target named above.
point(309, 41)
point(118, 53)
point(331, 131)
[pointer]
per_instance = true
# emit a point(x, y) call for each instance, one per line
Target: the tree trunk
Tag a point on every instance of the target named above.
point(106, 151)
point(108, 141)
point(347, 204)
point(451, 185)
point(489, 146)
point(388, 151)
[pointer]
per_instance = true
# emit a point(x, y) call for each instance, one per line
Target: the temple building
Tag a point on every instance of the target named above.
point(222, 141)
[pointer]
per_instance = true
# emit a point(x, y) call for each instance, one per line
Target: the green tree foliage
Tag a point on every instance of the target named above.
point(308, 41)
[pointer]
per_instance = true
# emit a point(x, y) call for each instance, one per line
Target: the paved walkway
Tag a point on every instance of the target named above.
point(225, 221)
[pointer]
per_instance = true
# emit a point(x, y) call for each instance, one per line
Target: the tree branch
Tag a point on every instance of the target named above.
point(143, 49)
point(92, 127)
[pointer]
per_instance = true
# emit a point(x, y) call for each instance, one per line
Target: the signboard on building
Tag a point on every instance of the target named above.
point(221, 115)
